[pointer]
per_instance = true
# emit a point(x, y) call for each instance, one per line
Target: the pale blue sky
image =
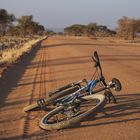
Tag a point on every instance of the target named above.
point(62, 13)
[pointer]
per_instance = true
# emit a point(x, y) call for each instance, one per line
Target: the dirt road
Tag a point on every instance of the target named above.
point(61, 60)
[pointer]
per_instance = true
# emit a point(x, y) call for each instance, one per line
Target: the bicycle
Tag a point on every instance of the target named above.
point(71, 109)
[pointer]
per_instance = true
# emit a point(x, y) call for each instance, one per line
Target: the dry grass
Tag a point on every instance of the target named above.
point(12, 54)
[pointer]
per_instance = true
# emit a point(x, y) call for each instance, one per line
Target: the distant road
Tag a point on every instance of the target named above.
point(61, 60)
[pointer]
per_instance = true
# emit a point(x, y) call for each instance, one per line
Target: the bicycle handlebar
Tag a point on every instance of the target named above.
point(96, 59)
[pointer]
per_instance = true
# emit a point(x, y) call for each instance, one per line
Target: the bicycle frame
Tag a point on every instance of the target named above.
point(87, 90)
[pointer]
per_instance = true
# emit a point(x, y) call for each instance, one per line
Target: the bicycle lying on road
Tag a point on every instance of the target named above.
point(74, 102)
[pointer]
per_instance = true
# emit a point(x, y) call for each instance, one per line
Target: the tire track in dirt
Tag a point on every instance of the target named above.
point(27, 118)
point(52, 84)
point(40, 78)
point(43, 74)
point(42, 92)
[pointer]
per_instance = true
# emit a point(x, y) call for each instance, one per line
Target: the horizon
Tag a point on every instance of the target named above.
point(58, 15)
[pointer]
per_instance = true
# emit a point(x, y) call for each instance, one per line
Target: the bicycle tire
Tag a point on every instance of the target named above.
point(51, 100)
point(67, 123)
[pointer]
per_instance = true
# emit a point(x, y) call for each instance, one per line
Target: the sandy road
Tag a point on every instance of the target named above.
point(61, 60)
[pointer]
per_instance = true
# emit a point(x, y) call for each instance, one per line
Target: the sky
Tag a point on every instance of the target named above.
point(63, 13)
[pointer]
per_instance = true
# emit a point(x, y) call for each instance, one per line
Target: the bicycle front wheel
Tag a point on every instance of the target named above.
point(63, 117)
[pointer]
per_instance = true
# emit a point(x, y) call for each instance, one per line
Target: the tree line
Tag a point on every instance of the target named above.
point(23, 26)
point(91, 29)
point(128, 28)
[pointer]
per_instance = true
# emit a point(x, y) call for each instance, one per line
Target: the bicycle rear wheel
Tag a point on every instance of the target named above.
point(62, 117)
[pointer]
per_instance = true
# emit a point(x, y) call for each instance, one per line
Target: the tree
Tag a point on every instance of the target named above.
point(25, 22)
point(76, 30)
point(6, 20)
point(37, 28)
point(29, 27)
point(128, 28)
point(103, 31)
point(91, 29)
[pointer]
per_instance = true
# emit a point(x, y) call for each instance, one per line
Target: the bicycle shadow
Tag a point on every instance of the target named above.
point(127, 109)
